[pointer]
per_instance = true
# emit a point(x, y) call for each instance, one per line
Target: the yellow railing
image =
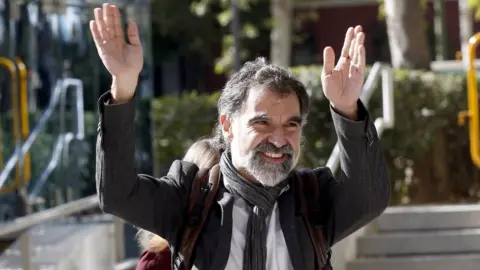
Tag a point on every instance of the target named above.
point(25, 123)
point(20, 117)
point(472, 94)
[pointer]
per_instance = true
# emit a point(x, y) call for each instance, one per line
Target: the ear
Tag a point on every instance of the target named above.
point(226, 124)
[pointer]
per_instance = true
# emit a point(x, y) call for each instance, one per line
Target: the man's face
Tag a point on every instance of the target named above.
point(265, 138)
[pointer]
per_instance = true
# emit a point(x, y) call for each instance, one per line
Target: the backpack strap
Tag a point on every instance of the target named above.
point(202, 196)
point(307, 193)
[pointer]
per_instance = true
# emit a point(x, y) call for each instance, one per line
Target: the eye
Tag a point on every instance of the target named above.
point(261, 122)
point(293, 125)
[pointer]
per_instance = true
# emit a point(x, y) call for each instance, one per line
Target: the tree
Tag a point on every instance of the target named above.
point(281, 33)
point(406, 28)
point(475, 6)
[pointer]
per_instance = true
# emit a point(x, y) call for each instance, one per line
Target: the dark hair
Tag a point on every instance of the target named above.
point(258, 74)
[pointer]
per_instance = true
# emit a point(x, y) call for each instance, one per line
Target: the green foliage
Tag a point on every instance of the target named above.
point(177, 24)
point(179, 121)
point(475, 6)
point(381, 8)
point(421, 162)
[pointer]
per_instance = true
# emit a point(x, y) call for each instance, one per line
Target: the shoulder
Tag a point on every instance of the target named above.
point(182, 172)
point(323, 175)
point(325, 186)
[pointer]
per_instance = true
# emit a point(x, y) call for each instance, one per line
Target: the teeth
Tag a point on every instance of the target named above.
point(273, 155)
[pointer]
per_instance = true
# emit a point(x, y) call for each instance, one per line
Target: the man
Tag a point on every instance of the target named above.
point(253, 224)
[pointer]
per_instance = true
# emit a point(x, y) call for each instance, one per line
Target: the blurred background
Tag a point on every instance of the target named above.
point(420, 88)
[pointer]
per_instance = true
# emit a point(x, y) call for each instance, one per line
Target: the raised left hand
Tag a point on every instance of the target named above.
point(342, 84)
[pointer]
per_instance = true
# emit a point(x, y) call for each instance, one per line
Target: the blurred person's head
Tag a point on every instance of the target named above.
point(205, 153)
point(262, 110)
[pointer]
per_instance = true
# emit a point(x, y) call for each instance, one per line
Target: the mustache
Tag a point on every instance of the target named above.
point(269, 147)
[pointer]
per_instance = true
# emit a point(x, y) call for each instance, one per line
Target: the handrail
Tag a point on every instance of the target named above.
point(24, 121)
point(63, 141)
point(18, 226)
point(58, 95)
point(12, 69)
point(387, 120)
point(472, 93)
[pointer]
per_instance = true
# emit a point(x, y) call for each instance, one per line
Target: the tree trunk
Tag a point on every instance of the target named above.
point(281, 33)
point(440, 26)
point(407, 35)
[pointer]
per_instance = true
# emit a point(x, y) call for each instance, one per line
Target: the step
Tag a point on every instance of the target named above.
point(417, 243)
point(414, 218)
point(434, 262)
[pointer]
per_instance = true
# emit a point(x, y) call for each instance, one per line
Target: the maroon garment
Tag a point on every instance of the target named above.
point(155, 260)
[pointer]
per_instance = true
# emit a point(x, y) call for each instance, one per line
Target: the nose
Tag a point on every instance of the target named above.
point(277, 138)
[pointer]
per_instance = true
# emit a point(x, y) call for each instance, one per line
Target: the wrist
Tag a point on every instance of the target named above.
point(123, 88)
point(350, 112)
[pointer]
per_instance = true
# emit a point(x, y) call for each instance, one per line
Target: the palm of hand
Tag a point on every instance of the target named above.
point(118, 57)
point(122, 59)
point(342, 84)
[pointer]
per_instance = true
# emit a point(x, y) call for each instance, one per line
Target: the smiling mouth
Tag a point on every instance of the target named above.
point(274, 157)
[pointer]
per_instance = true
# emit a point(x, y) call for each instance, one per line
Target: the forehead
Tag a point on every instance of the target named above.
point(272, 103)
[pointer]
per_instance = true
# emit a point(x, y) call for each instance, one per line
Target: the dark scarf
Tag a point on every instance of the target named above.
point(261, 200)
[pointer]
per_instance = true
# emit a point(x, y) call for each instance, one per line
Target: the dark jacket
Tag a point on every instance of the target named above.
point(159, 204)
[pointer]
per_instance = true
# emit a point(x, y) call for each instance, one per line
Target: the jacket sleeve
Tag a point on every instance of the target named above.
point(154, 204)
point(362, 191)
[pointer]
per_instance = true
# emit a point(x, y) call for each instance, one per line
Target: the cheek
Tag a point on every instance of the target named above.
point(249, 141)
point(294, 140)
point(252, 140)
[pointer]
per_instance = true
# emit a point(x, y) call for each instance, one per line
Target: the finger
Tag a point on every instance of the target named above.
point(351, 52)
point(358, 29)
point(96, 34)
point(359, 40)
point(354, 43)
point(132, 32)
point(108, 11)
point(361, 58)
point(118, 25)
point(100, 24)
point(328, 61)
point(347, 42)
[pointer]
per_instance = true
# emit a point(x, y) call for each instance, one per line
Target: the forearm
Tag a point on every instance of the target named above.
point(122, 192)
point(116, 172)
point(363, 190)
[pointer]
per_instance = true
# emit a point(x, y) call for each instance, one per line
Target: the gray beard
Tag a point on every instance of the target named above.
point(268, 173)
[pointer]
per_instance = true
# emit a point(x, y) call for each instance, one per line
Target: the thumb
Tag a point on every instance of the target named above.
point(328, 61)
point(132, 32)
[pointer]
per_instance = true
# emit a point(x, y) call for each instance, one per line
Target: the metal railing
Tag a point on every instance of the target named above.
point(21, 129)
point(387, 120)
point(472, 94)
point(14, 229)
point(63, 140)
point(18, 228)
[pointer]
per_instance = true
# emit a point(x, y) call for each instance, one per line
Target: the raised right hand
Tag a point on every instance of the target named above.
point(123, 61)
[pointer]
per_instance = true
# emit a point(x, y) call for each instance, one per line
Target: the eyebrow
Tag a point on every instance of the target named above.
point(264, 117)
